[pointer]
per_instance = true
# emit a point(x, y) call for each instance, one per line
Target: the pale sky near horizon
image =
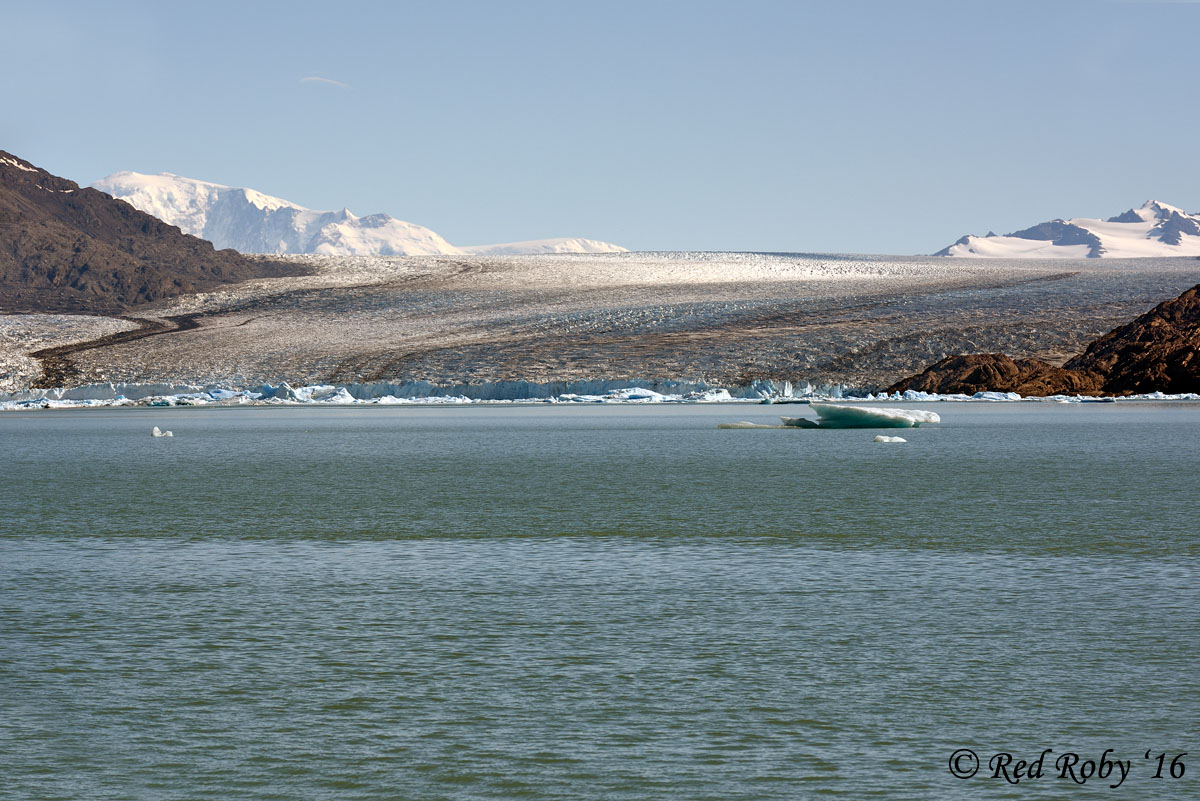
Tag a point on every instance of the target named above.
point(868, 127)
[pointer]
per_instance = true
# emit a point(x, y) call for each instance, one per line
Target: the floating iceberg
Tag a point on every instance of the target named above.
point(341, 395)
point(709, 396)
point(883, 438)
point(834, 416)
point(997, 396)
point(158, 432)
point(283, 392)
point(744, 424)
point(637, 394)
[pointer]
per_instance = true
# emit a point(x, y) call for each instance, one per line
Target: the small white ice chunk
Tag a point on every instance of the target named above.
point(882, 438)
point(157, 432)
point(836, 416)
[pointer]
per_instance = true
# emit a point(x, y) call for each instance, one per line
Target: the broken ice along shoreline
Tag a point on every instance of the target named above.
point(423, 392)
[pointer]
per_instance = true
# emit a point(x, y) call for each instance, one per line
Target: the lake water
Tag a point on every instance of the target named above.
point(594, 602)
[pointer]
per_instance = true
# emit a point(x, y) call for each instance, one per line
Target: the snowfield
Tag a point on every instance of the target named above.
point(542, 246)
point(1156, 230)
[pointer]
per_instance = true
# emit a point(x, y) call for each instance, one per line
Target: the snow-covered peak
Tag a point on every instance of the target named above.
point(186, 202)
point(1161, 210)
point(1149, 212)
point(1154, 230)
point(266, 202)
point(253, 222)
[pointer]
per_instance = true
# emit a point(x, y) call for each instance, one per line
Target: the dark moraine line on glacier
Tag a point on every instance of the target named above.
point(58, 369)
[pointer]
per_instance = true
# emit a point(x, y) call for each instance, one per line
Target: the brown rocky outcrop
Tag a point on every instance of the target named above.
point(63, 248)
point(996, 372)
point(1157, 352)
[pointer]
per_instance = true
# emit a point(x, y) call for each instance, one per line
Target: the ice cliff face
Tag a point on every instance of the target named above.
point(1154, 230)
point(251, 222)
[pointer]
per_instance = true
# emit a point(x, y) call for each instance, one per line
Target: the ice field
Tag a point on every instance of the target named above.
point(674, 323)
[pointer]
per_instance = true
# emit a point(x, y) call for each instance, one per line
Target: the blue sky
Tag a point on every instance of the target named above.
point(873, 127)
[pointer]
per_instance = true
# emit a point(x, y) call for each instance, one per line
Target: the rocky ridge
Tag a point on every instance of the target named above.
point(1157, 352)
point(66, 248)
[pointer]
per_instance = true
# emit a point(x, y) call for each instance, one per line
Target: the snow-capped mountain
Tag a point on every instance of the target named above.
point(251, 222)
point(1154, 230)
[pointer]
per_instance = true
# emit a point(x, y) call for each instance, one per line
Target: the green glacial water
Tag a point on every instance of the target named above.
point(595, 602)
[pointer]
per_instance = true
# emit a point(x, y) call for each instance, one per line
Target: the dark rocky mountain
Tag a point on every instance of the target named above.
point(69, 249)
point(996, 372)
point(1157, 352)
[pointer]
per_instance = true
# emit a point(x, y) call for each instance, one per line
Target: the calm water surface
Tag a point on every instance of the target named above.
point(593, 602)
